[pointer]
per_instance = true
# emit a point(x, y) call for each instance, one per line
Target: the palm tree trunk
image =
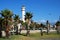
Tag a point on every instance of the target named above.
point(58, 29)
point(41, 32)
point(47, 30)
point(0, 32)
point(28, 32)
point(16, 30)
point(7, 29)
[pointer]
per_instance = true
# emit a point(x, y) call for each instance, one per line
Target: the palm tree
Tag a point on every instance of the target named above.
point(48, 26)
point(7, 15)
point(42, 25)
point(37, 25)
point(16, 18)
point(58, 26)
point(16, 21)
point(28, 17)
point(0, 26)
point(58, 23)
point(32, 25)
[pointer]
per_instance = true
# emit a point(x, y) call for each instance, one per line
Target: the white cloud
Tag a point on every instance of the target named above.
point(42, 20)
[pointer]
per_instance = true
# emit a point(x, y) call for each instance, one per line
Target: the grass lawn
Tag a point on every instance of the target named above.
point(33, 36)
point(50, 35)
point(17, 37)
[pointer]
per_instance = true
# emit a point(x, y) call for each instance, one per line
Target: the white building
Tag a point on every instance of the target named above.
point(23, 13)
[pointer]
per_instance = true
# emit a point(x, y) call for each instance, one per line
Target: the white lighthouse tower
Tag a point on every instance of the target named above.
point(23, 13)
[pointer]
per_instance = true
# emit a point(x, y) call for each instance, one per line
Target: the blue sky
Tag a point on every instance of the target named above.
point(42, 10)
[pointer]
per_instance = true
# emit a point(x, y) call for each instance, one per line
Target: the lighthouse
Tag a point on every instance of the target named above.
point(23, 13)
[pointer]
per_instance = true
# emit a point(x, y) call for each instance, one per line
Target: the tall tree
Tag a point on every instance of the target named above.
point(58, 26)
point(48, 26)
point(16, 21)
point(7, 15)
point(41, 29)
point(28, 17)
point(32, 25)
point(0, 26)
point(58, 23)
